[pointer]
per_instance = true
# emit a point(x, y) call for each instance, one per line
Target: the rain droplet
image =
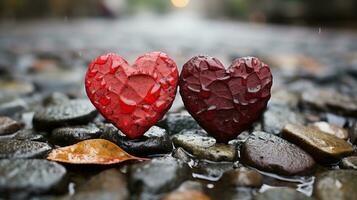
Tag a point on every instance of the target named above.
point(127, 105)
point(254, 89)
point(212, 107)
point(153, 93)
point(193, 89)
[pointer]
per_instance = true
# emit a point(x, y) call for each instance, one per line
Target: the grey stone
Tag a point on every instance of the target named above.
point(19, 178)
point(275, 117)
point(107, 185)
point(157, 175)
point(23, 149)
point(329, 100)
point(155, 141)
point(176, 122)
point(74, 112)
point(55, 98)
point(70, 135)
point(336, 185)
point(271, 153)
point(30, 134)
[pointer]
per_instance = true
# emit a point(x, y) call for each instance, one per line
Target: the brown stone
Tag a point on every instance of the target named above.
point(323, 147)
point(331, 129)
point(8, 126)
point(242, 177)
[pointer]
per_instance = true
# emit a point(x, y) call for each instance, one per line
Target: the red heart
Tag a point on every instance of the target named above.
point(133, 97)
point(225, 102)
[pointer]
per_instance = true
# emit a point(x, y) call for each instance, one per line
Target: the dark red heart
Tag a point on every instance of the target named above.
point(225, 102)
point(133, 97)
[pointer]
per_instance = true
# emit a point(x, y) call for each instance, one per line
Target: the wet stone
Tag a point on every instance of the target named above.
point(352, 132)
point(282, 194)
point(55, 98)
point(23, 149)
point(21, 177)
point(205, 147)
point(176, 122)
point(8, 126)
point(155, 141)
point(157, 175)
point(323, 147)
point(74, 112)
point(181, 154)
point(70, 135)
point(336, 185)
point(30, 134)
point(331, 129)
point(242, 177)
point(12, 107)
point(271, 153)
point(275, 117)
point(349, 162)
point(329, 100)
point(107, 185)
point(211, 171)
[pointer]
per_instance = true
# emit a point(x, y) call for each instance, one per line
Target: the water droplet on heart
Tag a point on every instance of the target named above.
point(153, 93)
point(113, 69)
point(223, 78)
point(164, 84)
point(254, 89)
point(235, 119)
point(102, 59)
point(99, 77)
point(146, 108)
point(127, 105)
point(171, 80)
point(104, 100)
point(88, 82)
point(159, 106)
point(154, 75)
point(103, 83)
point(236, 101)
point(193, 89)
point(91, 73)
point(212, 107)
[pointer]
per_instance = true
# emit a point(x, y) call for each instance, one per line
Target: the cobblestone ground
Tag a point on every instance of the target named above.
point(303, 147)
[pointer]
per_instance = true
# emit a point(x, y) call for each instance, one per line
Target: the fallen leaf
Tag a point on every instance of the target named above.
point(95, 151)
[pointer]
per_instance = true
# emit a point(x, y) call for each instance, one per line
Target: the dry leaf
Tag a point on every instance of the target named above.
point(95, 151)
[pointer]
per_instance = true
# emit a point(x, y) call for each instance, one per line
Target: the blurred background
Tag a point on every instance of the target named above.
point(302, 12)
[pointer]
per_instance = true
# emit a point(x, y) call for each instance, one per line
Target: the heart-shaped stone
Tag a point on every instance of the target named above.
point(132, 97)
point(225, 102)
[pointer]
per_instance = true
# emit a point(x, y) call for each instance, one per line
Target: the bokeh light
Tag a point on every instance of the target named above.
point(180, 3)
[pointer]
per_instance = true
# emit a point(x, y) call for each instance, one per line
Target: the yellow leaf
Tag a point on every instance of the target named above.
point(95, 151)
